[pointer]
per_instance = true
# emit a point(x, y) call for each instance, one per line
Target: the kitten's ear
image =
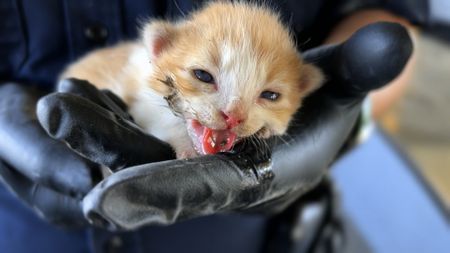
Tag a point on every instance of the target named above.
point(158, 36)
point(312, 79)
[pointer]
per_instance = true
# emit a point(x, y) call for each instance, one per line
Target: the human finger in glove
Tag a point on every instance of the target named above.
point(251, 180)
point(45, 173)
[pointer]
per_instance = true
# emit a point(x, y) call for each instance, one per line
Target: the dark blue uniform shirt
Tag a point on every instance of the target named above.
point(39, 38)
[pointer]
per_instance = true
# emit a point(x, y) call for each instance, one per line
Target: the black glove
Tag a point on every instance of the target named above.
point(45, 173)
point(252, 179)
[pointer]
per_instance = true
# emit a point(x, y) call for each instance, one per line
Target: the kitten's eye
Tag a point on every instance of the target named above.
point(203, 76)
point(270, 95)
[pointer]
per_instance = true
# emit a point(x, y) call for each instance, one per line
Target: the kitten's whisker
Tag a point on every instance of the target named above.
point(178, 8)
point(263, 146)
point(284, 141)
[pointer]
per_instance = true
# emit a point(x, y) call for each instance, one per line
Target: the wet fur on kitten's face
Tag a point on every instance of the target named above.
point(247, 51)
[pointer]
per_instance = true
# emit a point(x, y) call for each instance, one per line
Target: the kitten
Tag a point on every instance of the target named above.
point(228, 71)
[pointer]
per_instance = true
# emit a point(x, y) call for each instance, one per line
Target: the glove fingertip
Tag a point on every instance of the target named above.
point(73, 85)
point(49, 114)
point(376, 54)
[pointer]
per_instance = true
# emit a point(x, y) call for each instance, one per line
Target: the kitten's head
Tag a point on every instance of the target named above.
point(231, 70)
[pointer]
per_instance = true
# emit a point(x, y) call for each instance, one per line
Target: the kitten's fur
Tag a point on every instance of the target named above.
point(246, 49)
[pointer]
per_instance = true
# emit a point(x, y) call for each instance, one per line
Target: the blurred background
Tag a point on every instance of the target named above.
point(420, 122)
point(395, 185)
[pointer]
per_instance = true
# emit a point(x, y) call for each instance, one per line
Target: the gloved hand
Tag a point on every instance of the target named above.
point(42, 172)
point(258, 178)
point(45, 173)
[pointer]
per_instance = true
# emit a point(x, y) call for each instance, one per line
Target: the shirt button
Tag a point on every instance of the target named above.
point(96, 33)
point(114, 244)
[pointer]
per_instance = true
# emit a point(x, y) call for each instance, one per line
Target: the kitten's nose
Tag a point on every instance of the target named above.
point(231, 120)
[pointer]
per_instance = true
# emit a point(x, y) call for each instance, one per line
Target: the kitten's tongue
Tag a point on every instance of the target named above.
point(215, 141)
point(210, 141)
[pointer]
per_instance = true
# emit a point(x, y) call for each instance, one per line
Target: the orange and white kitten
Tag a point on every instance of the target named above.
point(228, 71)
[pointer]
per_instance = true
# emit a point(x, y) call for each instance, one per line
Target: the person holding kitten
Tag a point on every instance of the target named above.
point(40, 39)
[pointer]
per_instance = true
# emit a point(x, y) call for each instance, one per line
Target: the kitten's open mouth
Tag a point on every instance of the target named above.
point(210, 141)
